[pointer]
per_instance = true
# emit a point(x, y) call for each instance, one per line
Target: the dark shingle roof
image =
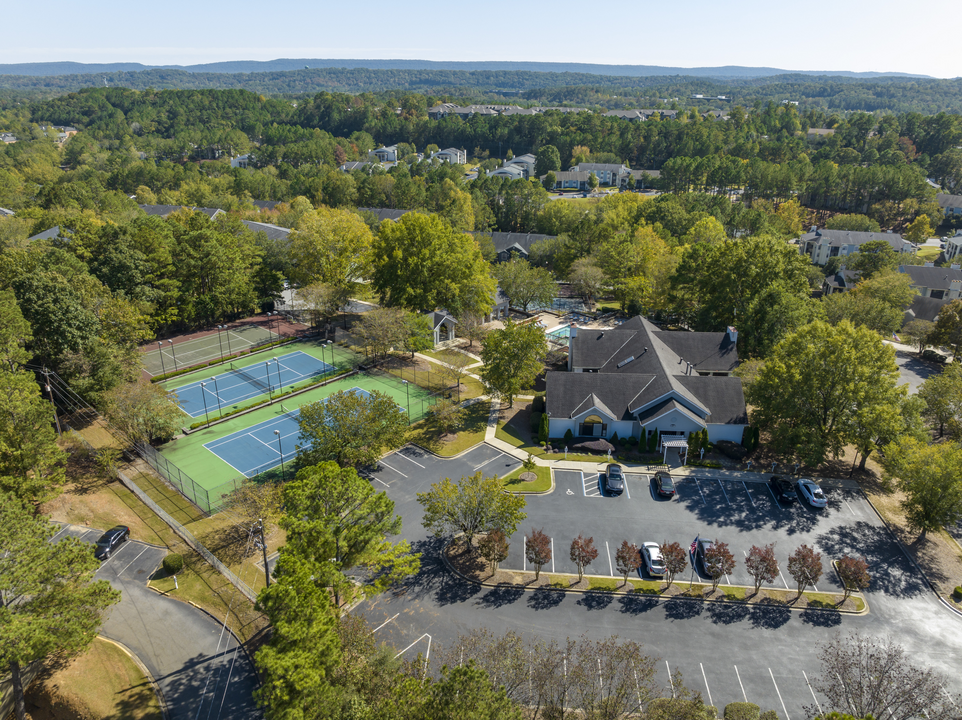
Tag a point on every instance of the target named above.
point(838, 238)
point(265, 204)
point(47, 234)
point(723, 396)
point(504, 241)
point(385, 213)
point(949, 201)
point(932, 277)
point(165, 210)
point(274, 232)
point(924, 308)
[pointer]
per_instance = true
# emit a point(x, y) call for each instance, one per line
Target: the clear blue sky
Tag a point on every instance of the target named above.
point(883, 36)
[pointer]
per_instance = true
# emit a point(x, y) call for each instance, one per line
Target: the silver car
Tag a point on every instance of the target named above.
point(654, 562)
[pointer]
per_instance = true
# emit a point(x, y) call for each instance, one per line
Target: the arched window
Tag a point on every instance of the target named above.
point(593, 426)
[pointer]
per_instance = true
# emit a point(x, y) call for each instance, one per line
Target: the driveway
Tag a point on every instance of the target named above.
point(766, 655)
point(199, 667)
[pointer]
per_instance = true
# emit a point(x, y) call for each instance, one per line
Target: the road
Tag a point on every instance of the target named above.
point(728, 653)
point(199, 667)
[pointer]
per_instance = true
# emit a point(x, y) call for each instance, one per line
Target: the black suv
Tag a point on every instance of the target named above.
point(783, 489)
point(701, 546)
point(110, 541)
point(664, 485)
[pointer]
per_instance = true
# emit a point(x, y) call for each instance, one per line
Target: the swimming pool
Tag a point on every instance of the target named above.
point(560, 332)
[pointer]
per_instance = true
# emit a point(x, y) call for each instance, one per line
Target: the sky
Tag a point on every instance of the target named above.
point(827, 35)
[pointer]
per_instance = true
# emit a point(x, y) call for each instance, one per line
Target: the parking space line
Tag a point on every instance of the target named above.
point(850, 509)
point(409, 459)
point(133, 561)
point(626, 487)
point(778, 504)
point(784, 709)
point(723, 491)
point(383, 624)
point(743, 687)
point(611, 569)
point(488, 462)
point(705, 678)
point(700, 492)
point(584, 490)
point(394, 469)
point(783, 578)
point(813, 692)
point(749, 494)
point(670, 681)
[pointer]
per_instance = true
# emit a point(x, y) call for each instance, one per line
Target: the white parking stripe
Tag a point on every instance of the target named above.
point(783, 579)
point(743, 687)
point(705, 678)
point(487, 462)
point(410, 459)
point(700, 492)
point(584, 490)
point(723, 491)
point(849, 507)
point(749, 492)
point(394, 469)
point(626, 487)
point(784, 709)
point(132, 561)
point(773, 496)
point(611, 569)
point(670, 681)
point(813, 692)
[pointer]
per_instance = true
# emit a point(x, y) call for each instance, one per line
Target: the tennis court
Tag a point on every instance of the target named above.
point(167, 356)
point(264, 446)
point(242, 383)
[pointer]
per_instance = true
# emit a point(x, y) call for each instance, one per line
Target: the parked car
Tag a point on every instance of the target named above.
point(701, 546)
point(615, 479)
point(110, 541)
point(812, 493)
point(782, 489)
point(934, 356)
point(654, 562)
point(664, 485)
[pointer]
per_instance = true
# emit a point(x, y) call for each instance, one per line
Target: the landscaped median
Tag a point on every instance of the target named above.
point(468, 564)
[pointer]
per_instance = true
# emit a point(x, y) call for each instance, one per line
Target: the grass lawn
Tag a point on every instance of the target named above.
point(513, 437)
point(426, 433)
point(104, 682)
point(928, 253)
point(542, 484)
point(449, 356)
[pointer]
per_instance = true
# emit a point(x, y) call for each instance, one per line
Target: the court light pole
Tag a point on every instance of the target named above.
point(203, 394)
point(407, 388)
point(227, 333)
point(173, 354)
point(278, 363)
point(280, 449)
point(270, 388)
point(160, 348)
point(220, 344)
point(217, 393)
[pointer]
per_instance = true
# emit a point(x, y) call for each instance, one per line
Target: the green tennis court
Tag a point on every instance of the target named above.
point(166, 356)
point(211, 472)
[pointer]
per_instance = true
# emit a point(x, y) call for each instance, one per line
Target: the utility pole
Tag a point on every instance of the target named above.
point(46, 375)
point(267, 569)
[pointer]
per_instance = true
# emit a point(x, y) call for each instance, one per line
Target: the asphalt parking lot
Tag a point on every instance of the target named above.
point(199, 668)
point(736, 512)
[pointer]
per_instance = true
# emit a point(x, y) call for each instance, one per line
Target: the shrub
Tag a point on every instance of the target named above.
point(958, 592)
point(535, 421)
point(614, 439)
point(768, 715)
point(652, 441)
point(742, 711)
point(173, 563)
point(632, 441)
point(624, 441)
point(568, 435)
point(537, 404)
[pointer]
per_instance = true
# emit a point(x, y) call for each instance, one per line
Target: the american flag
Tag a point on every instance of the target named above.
point(694, 545)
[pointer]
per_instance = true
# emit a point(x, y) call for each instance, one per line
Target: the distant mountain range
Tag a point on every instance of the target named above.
point(281, 65)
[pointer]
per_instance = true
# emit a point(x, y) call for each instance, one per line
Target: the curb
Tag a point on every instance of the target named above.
point(143, 668)
point(909, 556)
point(617, 593)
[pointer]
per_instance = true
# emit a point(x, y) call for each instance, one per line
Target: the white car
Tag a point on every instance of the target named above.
point(812, 493)
point(654, 563)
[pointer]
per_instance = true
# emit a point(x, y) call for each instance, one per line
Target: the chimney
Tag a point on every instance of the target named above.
point(732, 334)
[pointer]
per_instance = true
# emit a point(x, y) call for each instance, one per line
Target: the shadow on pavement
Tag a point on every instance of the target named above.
point(545, 598)
point(676, 609)
point(821, 618)
point(221, 686)
point(891, 571)
point(727, 613)
point(637, 604)
point(769, 617)
point(500, 596)
point(595, 600)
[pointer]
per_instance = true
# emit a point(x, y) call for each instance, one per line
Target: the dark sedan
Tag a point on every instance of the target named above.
point(110, 541)
point(782, 489)
point(699, 547)
point(615, 479)
point(664, 485)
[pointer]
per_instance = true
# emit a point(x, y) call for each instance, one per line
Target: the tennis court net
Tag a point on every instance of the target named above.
point(250, 378)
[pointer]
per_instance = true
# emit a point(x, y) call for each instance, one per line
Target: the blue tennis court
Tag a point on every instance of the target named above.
point(259, 448)
point(245, 383)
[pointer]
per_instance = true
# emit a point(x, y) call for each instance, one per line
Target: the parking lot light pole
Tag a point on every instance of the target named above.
point(203, 394)
point(280, 449)
point(173, 354)
point(160, 347)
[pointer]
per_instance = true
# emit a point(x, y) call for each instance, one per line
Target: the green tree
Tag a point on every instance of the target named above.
point(929, 477)
point(473, 505)
point(422, 264)
point(774, 313)
point(815, 383)
point(548, 160)
point(351, 429)
point(50, 601)
point(384, 329)
point(143, 411)
point(337, 521)
point(707, 230)
point(447, 415)
point(592, 182)
point(14, 333)
point(918, 332)
point(876, 303)
point(467, 692)
point(587, 280)
point(513, 357)
point(948, 327)
point(31, 463)
point(549, 180)
point(918, 230)
point(853, 223)
point(330, 246)
point(942, 394)
point(873, 257)
point(419, 335)
point(524, 284)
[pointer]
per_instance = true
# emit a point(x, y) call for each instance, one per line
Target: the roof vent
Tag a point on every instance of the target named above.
point(626, 361)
